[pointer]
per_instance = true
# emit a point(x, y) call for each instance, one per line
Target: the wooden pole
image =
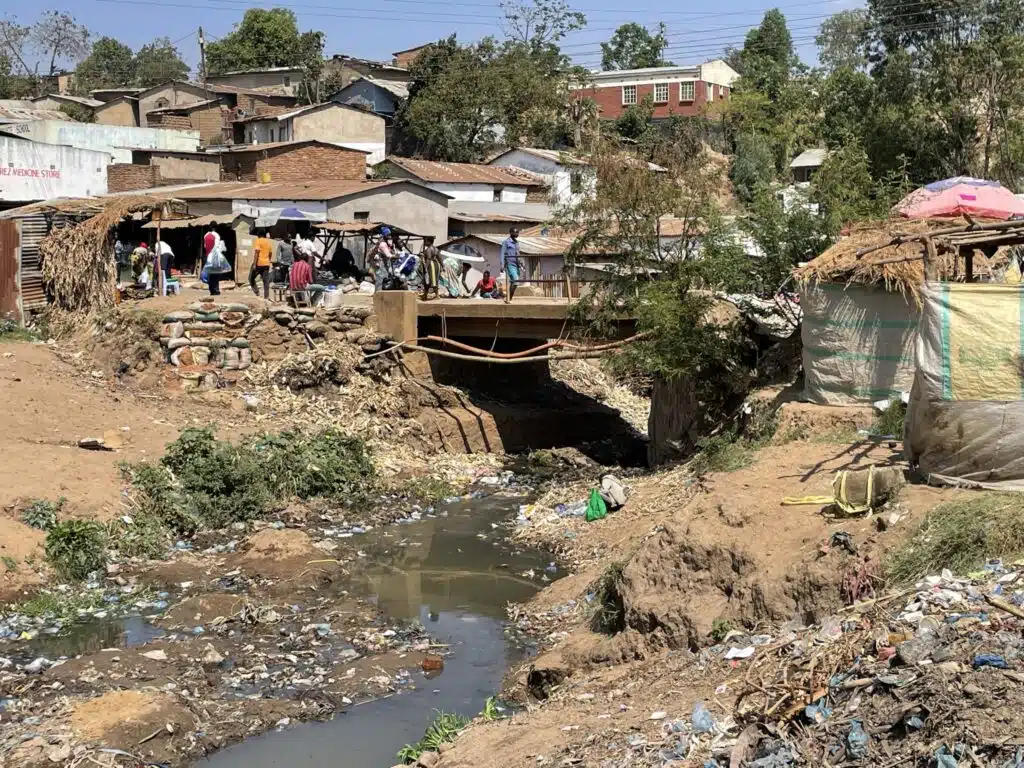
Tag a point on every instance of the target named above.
point(159, 283)
point(931, 260)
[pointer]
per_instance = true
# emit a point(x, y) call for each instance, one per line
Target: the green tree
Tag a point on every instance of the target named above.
point(110, 64)
point(635, 122)
point(264, 38)
point(768, 56)
point(78, 113)
point(311, 59)
point(634, 47)
point(842, 40)
point(159, 62)
point(753, 167)
point(539, 23)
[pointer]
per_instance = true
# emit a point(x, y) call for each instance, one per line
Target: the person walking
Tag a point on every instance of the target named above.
point(215, 263)
point(263, 255)
point(510, 262)
point(380, 258)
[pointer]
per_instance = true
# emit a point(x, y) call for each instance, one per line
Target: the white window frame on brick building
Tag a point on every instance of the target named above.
point(628, 101)
point(661, 93)
point(687, 91)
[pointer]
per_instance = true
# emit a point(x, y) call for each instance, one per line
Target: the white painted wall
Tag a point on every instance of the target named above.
point(34, 171)
point(481, 193)
point(557, 176)
point(375, 148)
point(116, 140)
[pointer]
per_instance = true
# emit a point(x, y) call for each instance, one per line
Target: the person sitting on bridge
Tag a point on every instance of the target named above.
point(486, 286)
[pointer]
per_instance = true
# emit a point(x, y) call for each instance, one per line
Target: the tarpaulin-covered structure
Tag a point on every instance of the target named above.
point(959, 196)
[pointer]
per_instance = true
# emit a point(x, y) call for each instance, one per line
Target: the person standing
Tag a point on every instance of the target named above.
point(263, 255)
point(214, 260)
point(380, 258)
point(431, 267)
point(165, 256)
point(141, 258)
point(510, 262)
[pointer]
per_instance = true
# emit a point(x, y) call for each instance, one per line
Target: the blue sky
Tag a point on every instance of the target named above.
point(376, 29)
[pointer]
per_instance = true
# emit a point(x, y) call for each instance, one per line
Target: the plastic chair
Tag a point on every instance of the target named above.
point(171, 286)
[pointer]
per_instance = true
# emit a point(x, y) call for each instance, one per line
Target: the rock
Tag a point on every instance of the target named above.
point(445, 747)
point(317, 329)
point(172, 330)
point(155, 655)
point(428, 760)
point(910, 652)
point(211, 658)
point(59, 754)
point(113, 569)
point(94, 444)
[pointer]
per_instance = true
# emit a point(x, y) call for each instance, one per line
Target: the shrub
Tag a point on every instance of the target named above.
point(610, 616)
point(442, 730)
point(145, 536)
point(76, 548)
point(42, 514)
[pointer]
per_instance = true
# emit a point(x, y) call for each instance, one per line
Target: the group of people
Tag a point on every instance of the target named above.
point(292, 261)
point(142, 262)
point(441, 276)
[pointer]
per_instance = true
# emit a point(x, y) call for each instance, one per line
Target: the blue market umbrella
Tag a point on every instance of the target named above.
point(292, 214)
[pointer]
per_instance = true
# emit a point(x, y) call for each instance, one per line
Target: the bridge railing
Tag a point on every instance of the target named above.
point(558, 286)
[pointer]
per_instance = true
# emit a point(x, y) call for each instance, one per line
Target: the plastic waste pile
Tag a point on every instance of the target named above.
point(932, 676)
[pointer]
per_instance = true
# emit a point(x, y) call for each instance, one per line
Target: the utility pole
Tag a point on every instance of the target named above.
point(202, 56)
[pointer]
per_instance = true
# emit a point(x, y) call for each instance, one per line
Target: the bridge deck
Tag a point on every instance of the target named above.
point(525, 308)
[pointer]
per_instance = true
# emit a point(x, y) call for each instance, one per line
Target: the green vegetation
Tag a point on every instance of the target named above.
point(11, 330)
point(42, 513)
point(145, 536)
point(890, 421)
point(205, 483)
point(961, 535)
point(491, 711)
point(429, 490)
point(10, 564)
point(734, 449)
point(443, 729)
point(609, 616)
point(76, 548)
point(720, 628)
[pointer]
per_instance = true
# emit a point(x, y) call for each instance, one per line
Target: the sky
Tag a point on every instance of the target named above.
point(376, 29)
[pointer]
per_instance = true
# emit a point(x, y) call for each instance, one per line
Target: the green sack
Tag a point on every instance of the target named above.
point(596, 508)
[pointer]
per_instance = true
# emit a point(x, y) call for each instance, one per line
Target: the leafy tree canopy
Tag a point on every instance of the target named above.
point(264, 38)
point(634, 47)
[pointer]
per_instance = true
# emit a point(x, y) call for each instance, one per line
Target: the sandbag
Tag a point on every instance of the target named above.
point(965, 419)
point(861, 490)
point(858, 343)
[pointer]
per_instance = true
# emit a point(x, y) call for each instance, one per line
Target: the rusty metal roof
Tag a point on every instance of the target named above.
point(535, 245)
point(362, 227)
point(14, 114)
point(279, 116)
point(500, 217)
point(464, 173)
point(281, 190)
point(198, 221)
point(183, 107)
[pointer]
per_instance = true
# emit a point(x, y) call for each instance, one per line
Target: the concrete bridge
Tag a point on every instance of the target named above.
point(403, 316)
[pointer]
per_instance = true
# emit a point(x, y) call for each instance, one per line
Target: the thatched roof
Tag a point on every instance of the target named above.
point(892, 253)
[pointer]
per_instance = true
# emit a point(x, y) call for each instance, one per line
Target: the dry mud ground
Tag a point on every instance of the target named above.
point(691, 554)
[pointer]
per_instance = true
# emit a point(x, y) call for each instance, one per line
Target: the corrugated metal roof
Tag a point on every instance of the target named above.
point(470, 217)
point(74, 99)
point(464, 173)
point(301, 111)
point(282, 190)
point(809, 158)
point(554, 155)
point(368, 227)
point(401, 90)
point(528, 245)
point(198, 221)
point(183, 107)
point(18, 115)
point(240, 148)
point(371, 63)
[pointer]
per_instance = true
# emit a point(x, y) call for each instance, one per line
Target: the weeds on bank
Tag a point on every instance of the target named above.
point(610, 614)
point(13, 331)
point(736, 448)
point(10, 564)
point(429, 490)
point(76, 548)
point(444, 729)
point(720, 629)
point(42, 513)
point(961, 535)
point(890, 421)
point(205, 483)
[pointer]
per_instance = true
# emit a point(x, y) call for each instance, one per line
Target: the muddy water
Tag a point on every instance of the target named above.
point(455, 575)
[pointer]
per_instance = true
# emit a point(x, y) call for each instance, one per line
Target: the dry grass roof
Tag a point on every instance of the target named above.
point(891, 253)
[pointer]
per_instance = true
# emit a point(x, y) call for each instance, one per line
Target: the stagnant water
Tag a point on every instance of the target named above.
point(455, 575)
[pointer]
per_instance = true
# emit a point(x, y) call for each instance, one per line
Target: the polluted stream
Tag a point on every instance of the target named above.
point(453, 573)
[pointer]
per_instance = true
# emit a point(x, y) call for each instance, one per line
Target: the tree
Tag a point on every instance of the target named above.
point(768, 56)
point(539, 23)
point(311, 59)
point(265, 38)
point(842, 40)
point(111, 64)
point(78, 113)
point(58, 37)
point(753, 167)
point(13, 39)
point(635, 123)
point(634, 47)
point(159, 62)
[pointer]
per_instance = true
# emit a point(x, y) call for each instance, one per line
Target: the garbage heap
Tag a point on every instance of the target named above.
point(932, 676)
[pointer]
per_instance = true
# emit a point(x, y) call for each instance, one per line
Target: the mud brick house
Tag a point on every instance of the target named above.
point(328, 122)
point(293, 161)
point(685, 90)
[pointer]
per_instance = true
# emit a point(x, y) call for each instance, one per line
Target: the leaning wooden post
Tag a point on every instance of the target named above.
point(159, 212)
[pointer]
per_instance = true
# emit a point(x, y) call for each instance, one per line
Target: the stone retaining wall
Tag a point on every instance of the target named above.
point(208, 342)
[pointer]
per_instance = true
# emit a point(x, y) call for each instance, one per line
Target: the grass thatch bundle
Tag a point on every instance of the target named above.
point(78, 259)
point(891, 253)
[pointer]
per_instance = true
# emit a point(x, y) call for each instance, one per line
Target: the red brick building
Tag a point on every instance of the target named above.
point(293, 161)
point(685, 90)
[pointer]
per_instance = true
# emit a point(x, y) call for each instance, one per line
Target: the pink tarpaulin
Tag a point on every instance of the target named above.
point(971, 196)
